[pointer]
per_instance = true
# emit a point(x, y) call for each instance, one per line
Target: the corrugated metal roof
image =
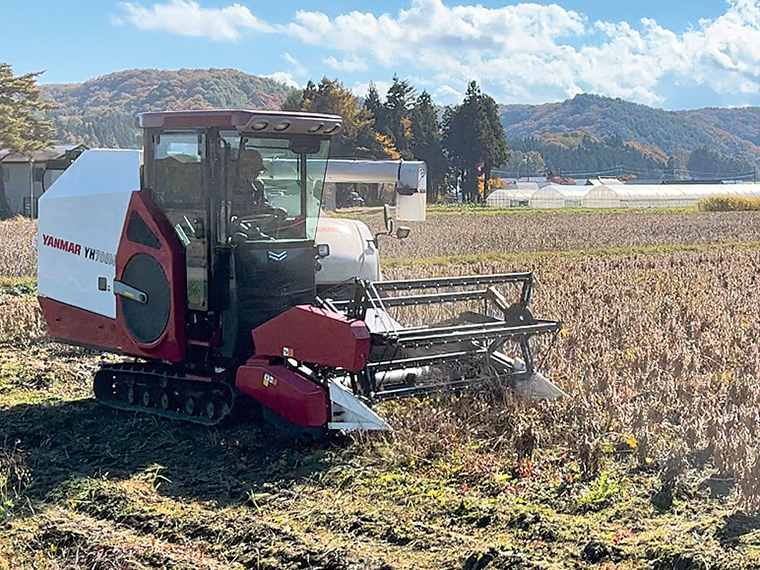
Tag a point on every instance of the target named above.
point(53, 152)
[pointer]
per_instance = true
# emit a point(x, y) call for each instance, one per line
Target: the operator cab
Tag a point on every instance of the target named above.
point(242, 190)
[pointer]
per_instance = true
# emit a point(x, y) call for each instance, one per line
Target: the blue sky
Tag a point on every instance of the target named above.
point(674, 54)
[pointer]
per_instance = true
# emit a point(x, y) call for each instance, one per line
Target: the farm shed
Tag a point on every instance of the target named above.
point(27, 176)
point(559, 196)
point(662, 195)
point(602, 181)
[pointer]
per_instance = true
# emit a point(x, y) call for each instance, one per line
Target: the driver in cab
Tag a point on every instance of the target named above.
point(249, 192)
point(252, 216)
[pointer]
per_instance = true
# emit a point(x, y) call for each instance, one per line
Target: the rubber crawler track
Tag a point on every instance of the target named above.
point(161, 391)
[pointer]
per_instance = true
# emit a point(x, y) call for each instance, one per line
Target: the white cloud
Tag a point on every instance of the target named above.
point(361, 89)
point(284, 77)
point(298, 69)
point(447, 95)
point(429, 28)
point(531, 52)
point(524, 53)
point(188, 18)
point(351, 65)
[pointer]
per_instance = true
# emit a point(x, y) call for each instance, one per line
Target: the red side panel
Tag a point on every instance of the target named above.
point(171, 256)
point(72, 324)
point(67, 323)
point(298, 400)
point(314, 335)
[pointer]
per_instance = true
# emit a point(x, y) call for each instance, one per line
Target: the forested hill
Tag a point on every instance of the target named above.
point(590, 133)
point(586, 135)
point(101, 112)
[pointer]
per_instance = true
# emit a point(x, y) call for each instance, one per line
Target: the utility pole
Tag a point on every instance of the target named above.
point(31, 187)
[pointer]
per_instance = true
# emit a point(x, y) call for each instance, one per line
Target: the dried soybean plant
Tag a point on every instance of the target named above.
point(18, 250)
point(661, 351)
point(459, 235)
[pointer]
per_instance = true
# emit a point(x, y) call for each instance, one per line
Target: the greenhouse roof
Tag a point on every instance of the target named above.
point(565, 190)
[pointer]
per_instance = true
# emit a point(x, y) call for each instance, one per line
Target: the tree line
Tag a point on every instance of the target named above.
point(461, 147)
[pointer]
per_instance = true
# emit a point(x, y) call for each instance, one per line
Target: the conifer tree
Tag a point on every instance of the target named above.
point(474, 139)
point(356, 138)
point(426, 143)
point(399, 102)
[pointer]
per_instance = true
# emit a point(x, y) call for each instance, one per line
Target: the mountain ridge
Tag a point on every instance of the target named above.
point(100, 112)
point(586, 134)
point(635, 138)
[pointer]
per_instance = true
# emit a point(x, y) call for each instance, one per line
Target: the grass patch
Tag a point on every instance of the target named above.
point(484, 210)
point(600, 492)
point(729, 204)
point(18, 286)
point(14, 478)
point(474, 209)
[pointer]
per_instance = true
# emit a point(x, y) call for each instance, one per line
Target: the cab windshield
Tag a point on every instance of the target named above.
point(273, 187)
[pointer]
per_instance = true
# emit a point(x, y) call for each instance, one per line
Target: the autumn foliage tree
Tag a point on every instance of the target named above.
point(21, 129)
point(406, 126)
point(357, 138)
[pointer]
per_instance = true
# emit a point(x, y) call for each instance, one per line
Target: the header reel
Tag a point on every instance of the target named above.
point(478, 338)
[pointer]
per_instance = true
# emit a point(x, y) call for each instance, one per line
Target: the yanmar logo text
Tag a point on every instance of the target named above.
point(90, 253)
point(59, 243)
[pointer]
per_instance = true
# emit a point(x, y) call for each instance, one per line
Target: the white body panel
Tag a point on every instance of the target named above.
point(410, 178)
point(350, 412)
point(377, 171)
point(411, 192)
point(352, 252)
point(80, 223)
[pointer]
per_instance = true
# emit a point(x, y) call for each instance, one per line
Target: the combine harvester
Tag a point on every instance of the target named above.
point(204, 259)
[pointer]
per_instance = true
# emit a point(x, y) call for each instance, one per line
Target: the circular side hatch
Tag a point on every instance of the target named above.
point(147, 321)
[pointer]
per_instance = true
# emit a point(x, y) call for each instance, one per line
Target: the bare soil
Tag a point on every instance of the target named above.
point(650, 464)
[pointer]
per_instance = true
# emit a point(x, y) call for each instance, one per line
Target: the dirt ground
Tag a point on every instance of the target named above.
point(650, 465)
point(85, 486)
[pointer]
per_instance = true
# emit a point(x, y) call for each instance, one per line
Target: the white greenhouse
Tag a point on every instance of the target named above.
point(509, 197)
point(700, 191)
point(662, 195)
point(559, 196)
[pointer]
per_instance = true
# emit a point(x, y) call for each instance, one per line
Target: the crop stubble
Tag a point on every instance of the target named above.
point(458, 235)
point(659, 353)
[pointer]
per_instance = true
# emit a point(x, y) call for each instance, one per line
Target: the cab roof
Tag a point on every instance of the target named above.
point(245, 121)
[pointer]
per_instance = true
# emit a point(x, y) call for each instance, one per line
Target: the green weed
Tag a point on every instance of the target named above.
point(599, 493)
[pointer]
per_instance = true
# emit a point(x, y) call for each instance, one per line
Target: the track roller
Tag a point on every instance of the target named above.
point(161, 391)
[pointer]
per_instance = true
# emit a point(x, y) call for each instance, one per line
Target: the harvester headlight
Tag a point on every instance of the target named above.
point(282, 126)
point(260, 125)
point(323, 250)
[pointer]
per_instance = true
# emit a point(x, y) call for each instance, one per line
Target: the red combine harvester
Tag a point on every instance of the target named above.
point(201, 258)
